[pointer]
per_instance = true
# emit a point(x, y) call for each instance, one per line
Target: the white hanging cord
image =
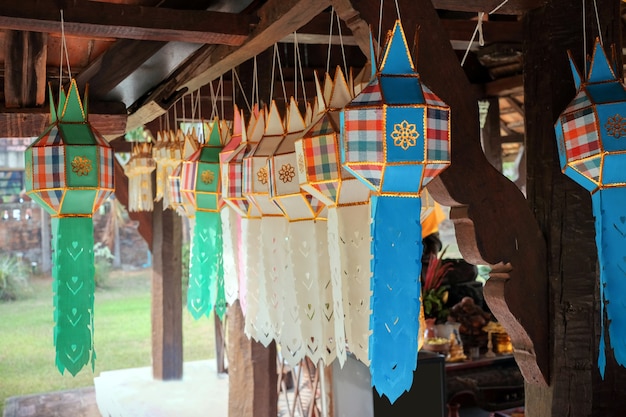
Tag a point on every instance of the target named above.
point(595, 8)
point(236, 78)
point(67, 57)
point(221, 115)
point(397, 10)
point(183, 107)
point(584, 40)
point(295, 66)
point(280, 69)
point(498, 7)
point(343, 52)
point(299, 65)
point(330, 39)
point(380, 24)
point(213, 101)
point(478, 28)
point(255, 83)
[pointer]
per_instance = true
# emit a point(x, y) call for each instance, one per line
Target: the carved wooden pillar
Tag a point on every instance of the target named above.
point(493, 221)
point(563, 210)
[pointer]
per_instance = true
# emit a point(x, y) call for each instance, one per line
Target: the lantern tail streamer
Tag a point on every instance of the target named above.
point(205, 264)
point(74, 288)
point(397, 243)
point(255, 274)
point(275, 258)
point(292, 346)
point(610, 220)
point(230, 228)
point(352, 246)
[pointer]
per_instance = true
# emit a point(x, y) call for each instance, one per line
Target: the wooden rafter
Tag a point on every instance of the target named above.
point(277, 19)
point(106, 20)
point(511, 7)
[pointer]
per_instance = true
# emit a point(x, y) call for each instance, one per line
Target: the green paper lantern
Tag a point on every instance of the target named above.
point(69, 172)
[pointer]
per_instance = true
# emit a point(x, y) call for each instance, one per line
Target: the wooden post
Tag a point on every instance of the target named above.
point(563, 210)
point(490, 134)
point(25, 55)
point(252, 376)
point(167, 320)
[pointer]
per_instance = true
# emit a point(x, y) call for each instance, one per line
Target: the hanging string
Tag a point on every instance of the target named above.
point(479, 30)
point(584, 40)
point(255, 83)
point(236, 78)
point(343, 52)
point(595, 8)
point(295, 66)
point(221, 92)
point(397, 10)
point(299, 65)
point(330, 39)
point(67, 57)
point(380, 23)
point(280, 69)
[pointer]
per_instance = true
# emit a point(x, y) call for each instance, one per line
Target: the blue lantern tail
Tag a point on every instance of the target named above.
point(608, 209)
point(395, 303)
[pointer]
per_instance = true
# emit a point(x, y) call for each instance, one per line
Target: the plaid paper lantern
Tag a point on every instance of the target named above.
point(283, 173)
point(590, 136)
point(395, 138)
point(69, 172)
point(256, 187)
point(396, 130)
point(319, 160)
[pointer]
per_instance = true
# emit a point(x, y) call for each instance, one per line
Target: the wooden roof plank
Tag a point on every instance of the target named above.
point(278, 18)
point(108, 20)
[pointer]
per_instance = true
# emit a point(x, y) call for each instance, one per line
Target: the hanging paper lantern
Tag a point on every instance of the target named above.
point(321, 174)
point(200, 184)
point(139, 169)
point(590, 135)
point(167, 155)
point(395, 139)
point(69, 172)
point(260, 321)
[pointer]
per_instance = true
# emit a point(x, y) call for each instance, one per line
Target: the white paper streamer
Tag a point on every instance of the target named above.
point(275, 258)
point(353, 225)
point(257, 319)
point(229, 251)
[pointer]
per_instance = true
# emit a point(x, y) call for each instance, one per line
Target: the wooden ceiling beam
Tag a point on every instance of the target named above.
point(25, 55)
point(493, 31)
point(107, 20)
point(511, 7)
point(108, 118)
point(277, 19)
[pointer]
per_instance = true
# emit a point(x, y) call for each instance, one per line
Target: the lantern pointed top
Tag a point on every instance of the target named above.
point(214, 137)
point(320, 101)
point(600, 66)
point(575, 73)
point(397, 56)
point(73, 111)
point(274, 123)
point(340, 95)
point(295, 122)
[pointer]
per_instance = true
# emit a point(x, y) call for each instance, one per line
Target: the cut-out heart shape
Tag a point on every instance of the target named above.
point(75, 244)
point(74, 279)
point(74, 311)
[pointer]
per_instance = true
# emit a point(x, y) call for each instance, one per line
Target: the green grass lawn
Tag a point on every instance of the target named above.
point(122, 336)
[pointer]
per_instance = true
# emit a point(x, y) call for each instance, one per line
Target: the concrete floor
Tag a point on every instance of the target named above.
point(133, 393)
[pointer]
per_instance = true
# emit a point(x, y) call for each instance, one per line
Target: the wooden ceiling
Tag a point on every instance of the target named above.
point(139, 57)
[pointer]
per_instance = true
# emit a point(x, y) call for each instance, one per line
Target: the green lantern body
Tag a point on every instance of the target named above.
point(69, 172)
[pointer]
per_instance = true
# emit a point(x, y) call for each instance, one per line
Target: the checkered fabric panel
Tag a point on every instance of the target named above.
point(321, 158)
point(101, 197)
point(175, 196)
point(580, 101)
point(48, 167)
point(329, 189)
point(188, 177)
point(363, 135)
point(581, 137)
point(52, 198)
point(248, 179)
point(50, 138)
point(322, 127)
point(372, 173)
point(235, 180)
point(431, 171)
point(589, 168)
point(438, 136)
point(432, 98)
point(370, 95)
point(106, 167)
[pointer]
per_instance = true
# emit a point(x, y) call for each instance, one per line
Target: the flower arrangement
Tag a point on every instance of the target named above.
point(434, 294)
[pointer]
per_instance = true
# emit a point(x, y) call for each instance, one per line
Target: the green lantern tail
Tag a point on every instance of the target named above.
point(205, 264)
point(73, 273)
